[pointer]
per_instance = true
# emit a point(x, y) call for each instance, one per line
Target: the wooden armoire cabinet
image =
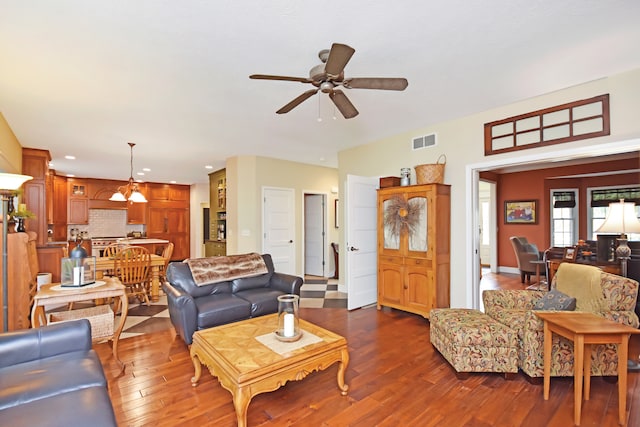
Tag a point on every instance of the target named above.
point(22, 271)
point(414, 228)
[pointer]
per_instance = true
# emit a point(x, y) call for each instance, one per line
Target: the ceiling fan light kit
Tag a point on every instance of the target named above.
point(329, 75)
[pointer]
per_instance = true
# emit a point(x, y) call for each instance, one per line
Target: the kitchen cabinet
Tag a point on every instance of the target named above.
point(56, 199)
point(168, 192)
point(35, 163)
point(49, 258)
point(136, 213)
point(78, 202)
point(170, 224)
point(413, 247)
point(215, 248)
point(218, 206)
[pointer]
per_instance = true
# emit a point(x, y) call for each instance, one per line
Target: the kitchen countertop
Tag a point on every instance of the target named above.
point(133, 241)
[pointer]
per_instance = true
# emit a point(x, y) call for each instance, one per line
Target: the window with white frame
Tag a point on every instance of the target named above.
point(564, 217)
point(599, 206)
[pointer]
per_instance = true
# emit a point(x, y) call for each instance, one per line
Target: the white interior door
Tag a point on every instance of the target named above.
point(314, 232)
point(279, 228)
point(361, 245)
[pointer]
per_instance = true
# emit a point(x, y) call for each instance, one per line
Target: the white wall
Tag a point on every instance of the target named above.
point(461, 140)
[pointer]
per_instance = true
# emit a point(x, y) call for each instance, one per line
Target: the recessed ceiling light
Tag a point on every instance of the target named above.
point(70, 175)
point(208, 167)
point(139, 180)
point(172, 182)
point(51, 165)
point(146, 169)
point(70, 157)
point(140, 173)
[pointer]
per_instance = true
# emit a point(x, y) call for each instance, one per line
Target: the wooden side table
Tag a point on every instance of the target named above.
point(53, 294)
point(585, 329)
point(539, 264)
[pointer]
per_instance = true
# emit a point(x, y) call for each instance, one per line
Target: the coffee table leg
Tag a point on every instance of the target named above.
point(241, 399)
point(198, 369)
point(341, 370)
point(578, 369)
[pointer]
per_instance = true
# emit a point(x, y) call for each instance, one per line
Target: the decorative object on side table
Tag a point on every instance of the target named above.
point(9, 182)
point(288, 318)
point(570, 253)
point(79, 269)
point(20, 215)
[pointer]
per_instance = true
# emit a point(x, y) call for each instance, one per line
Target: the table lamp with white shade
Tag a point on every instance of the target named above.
point(621, 218)
point(9, 182)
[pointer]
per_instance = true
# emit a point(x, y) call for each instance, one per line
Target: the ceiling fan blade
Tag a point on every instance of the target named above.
point(376, 83)
point(285, 78)
point(344, 105)
point(297, 101)
point(339, 55)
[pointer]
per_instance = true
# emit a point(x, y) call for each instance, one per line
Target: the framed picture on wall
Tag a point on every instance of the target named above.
point(337, 213)
point(520, 212)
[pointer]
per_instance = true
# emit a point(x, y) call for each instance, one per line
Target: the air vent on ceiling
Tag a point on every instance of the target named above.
point(423, 141)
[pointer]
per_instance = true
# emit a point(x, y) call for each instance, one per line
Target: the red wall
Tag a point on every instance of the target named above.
point(536, 185)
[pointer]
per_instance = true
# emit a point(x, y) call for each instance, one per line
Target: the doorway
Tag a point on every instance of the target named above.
point(537, 160)
point(279, 228)
point(315, 234)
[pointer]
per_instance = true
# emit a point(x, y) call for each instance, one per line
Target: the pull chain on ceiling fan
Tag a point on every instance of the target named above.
point(329, 75)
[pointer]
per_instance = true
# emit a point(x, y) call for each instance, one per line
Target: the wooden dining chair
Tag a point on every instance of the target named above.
point(133, 267)
point(166, 254)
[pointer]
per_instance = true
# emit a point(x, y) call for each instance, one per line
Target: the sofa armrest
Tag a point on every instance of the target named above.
point(182, 311)
point(32, 344)
point(509, 299)
point(286, 283)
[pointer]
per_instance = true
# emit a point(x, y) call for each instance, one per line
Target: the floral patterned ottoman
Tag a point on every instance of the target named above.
point(471, 341)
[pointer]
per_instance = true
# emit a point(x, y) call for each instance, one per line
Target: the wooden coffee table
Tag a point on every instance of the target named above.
point(247, 367)
point(585, 329)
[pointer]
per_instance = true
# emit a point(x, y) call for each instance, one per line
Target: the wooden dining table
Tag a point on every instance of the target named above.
point(108, 264)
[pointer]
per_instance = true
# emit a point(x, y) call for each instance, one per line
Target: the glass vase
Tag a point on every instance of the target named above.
point(288, 318)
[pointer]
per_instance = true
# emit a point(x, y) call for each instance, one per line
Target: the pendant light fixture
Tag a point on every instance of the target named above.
point(130, 191)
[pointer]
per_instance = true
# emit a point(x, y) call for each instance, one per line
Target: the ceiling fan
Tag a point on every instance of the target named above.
point(329, 75)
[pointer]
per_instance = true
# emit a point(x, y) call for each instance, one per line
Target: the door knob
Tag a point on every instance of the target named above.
point(352, 249)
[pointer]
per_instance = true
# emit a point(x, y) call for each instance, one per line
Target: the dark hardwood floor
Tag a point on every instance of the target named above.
point(395, 378)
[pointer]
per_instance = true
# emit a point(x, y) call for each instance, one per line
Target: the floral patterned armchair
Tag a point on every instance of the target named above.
point(515, 309)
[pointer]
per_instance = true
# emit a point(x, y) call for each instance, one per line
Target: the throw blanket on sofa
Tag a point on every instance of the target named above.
point(583, 283)
point(222, 268)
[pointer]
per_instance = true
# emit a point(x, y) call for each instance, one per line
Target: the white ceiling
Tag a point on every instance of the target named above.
point(84, 77)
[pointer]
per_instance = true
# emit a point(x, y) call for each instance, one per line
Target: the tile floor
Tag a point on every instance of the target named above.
point(316, 292)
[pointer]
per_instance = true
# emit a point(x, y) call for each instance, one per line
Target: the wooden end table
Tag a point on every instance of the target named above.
point(112, 288)
point(585, 329)
point(246, 367)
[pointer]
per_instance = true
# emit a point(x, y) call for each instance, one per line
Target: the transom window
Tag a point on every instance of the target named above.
point(587, 118)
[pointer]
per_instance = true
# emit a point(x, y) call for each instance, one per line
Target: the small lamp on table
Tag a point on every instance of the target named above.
point(621, 218)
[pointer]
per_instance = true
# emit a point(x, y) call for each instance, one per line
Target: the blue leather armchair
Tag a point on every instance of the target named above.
point(50, 376)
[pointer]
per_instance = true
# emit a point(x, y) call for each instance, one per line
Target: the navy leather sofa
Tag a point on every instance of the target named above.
point(192, 307)
point(50, 376)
